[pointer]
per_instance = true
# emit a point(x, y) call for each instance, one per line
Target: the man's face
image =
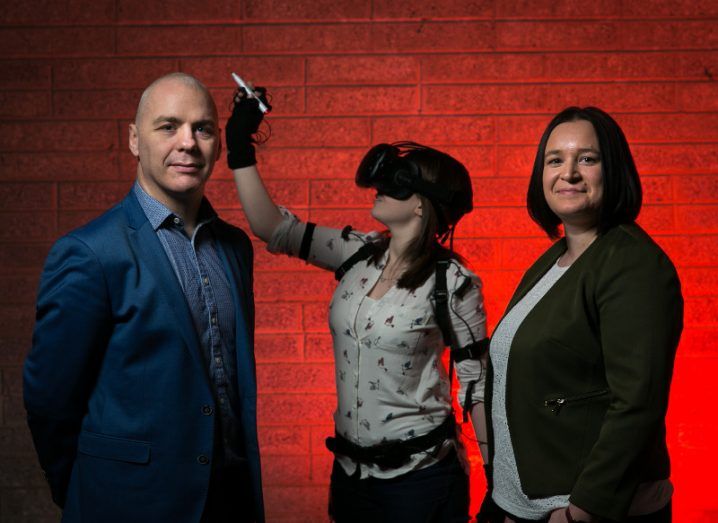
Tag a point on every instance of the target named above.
point(176, 140)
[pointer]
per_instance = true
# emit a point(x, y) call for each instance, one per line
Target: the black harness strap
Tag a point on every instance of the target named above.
point(393, 454)
point(364, 252)
point(306, 241)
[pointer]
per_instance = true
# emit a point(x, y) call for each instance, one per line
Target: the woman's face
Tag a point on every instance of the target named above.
point(396, 213)
point(572, 174)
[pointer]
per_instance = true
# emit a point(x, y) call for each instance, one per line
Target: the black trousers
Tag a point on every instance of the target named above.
point(439, 493)
point(230, 498)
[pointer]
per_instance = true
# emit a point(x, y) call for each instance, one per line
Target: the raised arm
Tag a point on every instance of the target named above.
point(261, 212)
point(259, 208)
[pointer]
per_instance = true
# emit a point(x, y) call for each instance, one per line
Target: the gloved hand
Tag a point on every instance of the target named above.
point(241, 126)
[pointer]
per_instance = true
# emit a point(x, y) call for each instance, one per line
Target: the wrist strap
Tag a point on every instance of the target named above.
point(241, 156)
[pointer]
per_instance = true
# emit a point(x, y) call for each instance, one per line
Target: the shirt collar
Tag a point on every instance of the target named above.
point(157, 214)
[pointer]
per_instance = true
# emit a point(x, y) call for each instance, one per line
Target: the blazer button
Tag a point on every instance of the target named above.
point(206, 410)
point(202, 459)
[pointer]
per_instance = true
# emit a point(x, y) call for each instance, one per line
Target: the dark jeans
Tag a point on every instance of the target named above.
point(439, 493)
point(492, 513)
point(230, 498)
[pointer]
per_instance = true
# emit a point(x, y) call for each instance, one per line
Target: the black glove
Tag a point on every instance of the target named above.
point(244, 122)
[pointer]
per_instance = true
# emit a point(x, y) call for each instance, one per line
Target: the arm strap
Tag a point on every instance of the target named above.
point(306, 241)
point(473, 351)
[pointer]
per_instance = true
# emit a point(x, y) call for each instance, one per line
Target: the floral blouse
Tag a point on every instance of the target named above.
point(390, 381)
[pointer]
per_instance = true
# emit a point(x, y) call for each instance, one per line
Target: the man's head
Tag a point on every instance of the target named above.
point(176, 139)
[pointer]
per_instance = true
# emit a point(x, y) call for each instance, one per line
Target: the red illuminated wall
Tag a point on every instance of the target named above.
point(479, 79)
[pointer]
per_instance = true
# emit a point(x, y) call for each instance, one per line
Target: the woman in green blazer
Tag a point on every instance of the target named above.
point(581, 362)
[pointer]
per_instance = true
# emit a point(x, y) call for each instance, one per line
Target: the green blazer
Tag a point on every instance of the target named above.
point(589, 372)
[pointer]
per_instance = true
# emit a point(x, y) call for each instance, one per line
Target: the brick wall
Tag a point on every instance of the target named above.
point(477, 78)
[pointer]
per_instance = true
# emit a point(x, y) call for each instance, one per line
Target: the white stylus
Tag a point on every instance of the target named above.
point(250, 92)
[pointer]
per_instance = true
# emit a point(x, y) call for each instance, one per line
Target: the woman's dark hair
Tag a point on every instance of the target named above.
point(425, 250)
point(622, 194)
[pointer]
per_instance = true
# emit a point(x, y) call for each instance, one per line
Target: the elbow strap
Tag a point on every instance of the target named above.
point(306, 241)
point(471, 352)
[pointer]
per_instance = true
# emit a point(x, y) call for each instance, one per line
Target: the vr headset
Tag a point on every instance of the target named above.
point(387, 169)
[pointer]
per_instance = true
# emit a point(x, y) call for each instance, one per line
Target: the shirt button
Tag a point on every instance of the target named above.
point(221, 400)
point(218, 360)
point(202, 459)
point(214, 319)
point(205, 280)
point(177, 221)
point(206, 410)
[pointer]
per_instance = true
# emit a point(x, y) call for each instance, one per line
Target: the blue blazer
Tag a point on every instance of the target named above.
point(118, 400)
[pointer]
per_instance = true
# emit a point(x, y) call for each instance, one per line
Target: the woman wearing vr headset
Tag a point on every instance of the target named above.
point(397, 457)
point(581, 362)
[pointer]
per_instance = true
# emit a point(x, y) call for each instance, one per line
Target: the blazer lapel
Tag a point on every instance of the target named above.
point(536, 271)
point(153, 255)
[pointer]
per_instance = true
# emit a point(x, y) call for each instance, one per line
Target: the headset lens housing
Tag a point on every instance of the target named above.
point(382, 168)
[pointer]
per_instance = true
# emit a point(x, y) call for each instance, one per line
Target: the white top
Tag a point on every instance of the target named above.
point(390, 381)
point(507, 486)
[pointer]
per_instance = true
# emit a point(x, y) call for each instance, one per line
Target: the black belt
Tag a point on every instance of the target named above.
point(393, 454)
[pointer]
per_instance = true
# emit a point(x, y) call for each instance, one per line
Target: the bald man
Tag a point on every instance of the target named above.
point(140, 385)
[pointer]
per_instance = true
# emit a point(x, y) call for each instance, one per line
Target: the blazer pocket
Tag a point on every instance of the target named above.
point(559, 401)
point(114, 448)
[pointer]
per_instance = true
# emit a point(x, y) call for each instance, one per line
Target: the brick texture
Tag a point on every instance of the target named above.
point(176, 10)
point(442, 130)
point(533, 9)
point(284, 10)
point(51, 136)
point(265, 70)
point(29, 42)
point(177, 40)
point(479, 79)
point(307, 38)
point(362, 70)
point(75, 166)
point(309, 163)
point(433, 9)
point(278, 377)
point(48, 12)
